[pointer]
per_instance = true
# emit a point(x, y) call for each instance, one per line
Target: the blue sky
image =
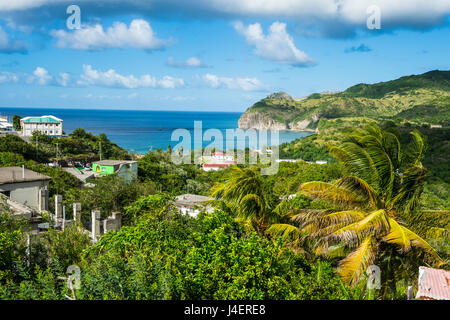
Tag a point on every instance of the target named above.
point(211, 55)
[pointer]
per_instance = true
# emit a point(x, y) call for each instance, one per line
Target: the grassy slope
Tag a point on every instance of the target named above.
point(428, 93)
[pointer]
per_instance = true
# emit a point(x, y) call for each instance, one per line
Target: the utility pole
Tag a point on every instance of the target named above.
point(100, 142)
point(37, 147)
point(56, 151)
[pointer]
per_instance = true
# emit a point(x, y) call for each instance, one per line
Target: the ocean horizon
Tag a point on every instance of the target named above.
point(142, 130)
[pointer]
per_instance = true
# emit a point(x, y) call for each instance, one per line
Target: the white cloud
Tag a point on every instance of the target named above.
point(238, 83)
point(7, 77)
point(330, 15)
point(111, 78)
point(278, 46)
point(191, 62)
point(138, 35)
point(64, 79)
point(40, 76)
point(93, 77)
point(8, 46)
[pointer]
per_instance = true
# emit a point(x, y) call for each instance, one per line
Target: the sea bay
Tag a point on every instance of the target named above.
point(142, 130)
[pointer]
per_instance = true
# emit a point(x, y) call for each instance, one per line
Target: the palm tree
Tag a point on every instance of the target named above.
point(376, 202)
point(245, 191)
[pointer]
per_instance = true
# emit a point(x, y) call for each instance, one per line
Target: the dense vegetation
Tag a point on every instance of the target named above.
point(307, 232)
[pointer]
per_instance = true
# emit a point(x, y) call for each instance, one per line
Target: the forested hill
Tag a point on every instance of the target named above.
point(420, 99)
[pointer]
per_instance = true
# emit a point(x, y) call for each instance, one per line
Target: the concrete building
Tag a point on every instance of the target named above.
point(25, 187)
point(216, 161)
point(123, 168)
point(192, 204)
point(5, 125)
point(48, 125)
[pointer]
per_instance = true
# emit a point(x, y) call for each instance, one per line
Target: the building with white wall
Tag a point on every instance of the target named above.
point(5, 125)
point(48, 125)
point(216, 161)
point(192, 204)
point(25, 187)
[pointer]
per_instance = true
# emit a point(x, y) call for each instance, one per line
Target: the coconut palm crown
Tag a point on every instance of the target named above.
point(245, 192)
point(377, 197)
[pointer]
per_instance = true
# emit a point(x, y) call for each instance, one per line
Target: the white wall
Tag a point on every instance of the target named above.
point(52, 129)
point(26, 193)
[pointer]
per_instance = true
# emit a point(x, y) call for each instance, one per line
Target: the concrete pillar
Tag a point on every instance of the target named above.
point(58, 206)
point(117, 216)
point(109, 224)
point(76, 211)
point(63, 219)
point(43, 200)
point(410, 293)
point(95, 220)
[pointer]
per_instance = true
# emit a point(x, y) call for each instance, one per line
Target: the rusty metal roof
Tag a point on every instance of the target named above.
point(433, 284)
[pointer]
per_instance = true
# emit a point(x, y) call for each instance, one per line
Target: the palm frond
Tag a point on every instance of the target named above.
point(359, 186)
point(286, 231)
point(341, 217)
point(331, 193)
point(356, 263)
point(375, 223)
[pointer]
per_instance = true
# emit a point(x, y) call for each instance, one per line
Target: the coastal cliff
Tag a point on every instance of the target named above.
point(260, 121)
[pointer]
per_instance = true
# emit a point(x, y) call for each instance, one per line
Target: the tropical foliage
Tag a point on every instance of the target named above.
point(375, 210)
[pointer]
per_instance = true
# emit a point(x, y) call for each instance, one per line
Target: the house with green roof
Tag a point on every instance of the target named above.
point(48, 125)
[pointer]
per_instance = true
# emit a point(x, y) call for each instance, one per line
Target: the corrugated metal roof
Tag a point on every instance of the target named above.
point(43, 119)
point(16, 174)
point(433, 284)
point(191, 199)
point(113, 162)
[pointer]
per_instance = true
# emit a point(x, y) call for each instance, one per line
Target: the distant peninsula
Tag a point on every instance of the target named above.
point(421, 99)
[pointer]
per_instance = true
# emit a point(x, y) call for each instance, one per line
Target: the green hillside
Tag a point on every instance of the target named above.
point(419, 99)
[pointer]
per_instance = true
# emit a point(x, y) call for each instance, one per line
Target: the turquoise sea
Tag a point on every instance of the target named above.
point(139, 131)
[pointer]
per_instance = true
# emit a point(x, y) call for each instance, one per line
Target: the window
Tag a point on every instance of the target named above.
point(6, 193)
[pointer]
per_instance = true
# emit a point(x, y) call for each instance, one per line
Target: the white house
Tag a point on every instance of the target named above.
point(48, 125)
point(25, 187)
point(5, 126)
point(192, 204)
point(216, 161)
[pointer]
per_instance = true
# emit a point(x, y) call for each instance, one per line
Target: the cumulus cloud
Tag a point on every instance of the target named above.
point(9, 46)
point(238, 83)
point(92, 77)
point(138, 35)
point(277, 46)
point(331, 17)
point(111, 78)
point(40, 76)
point(7, 77)
point(191, 62)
